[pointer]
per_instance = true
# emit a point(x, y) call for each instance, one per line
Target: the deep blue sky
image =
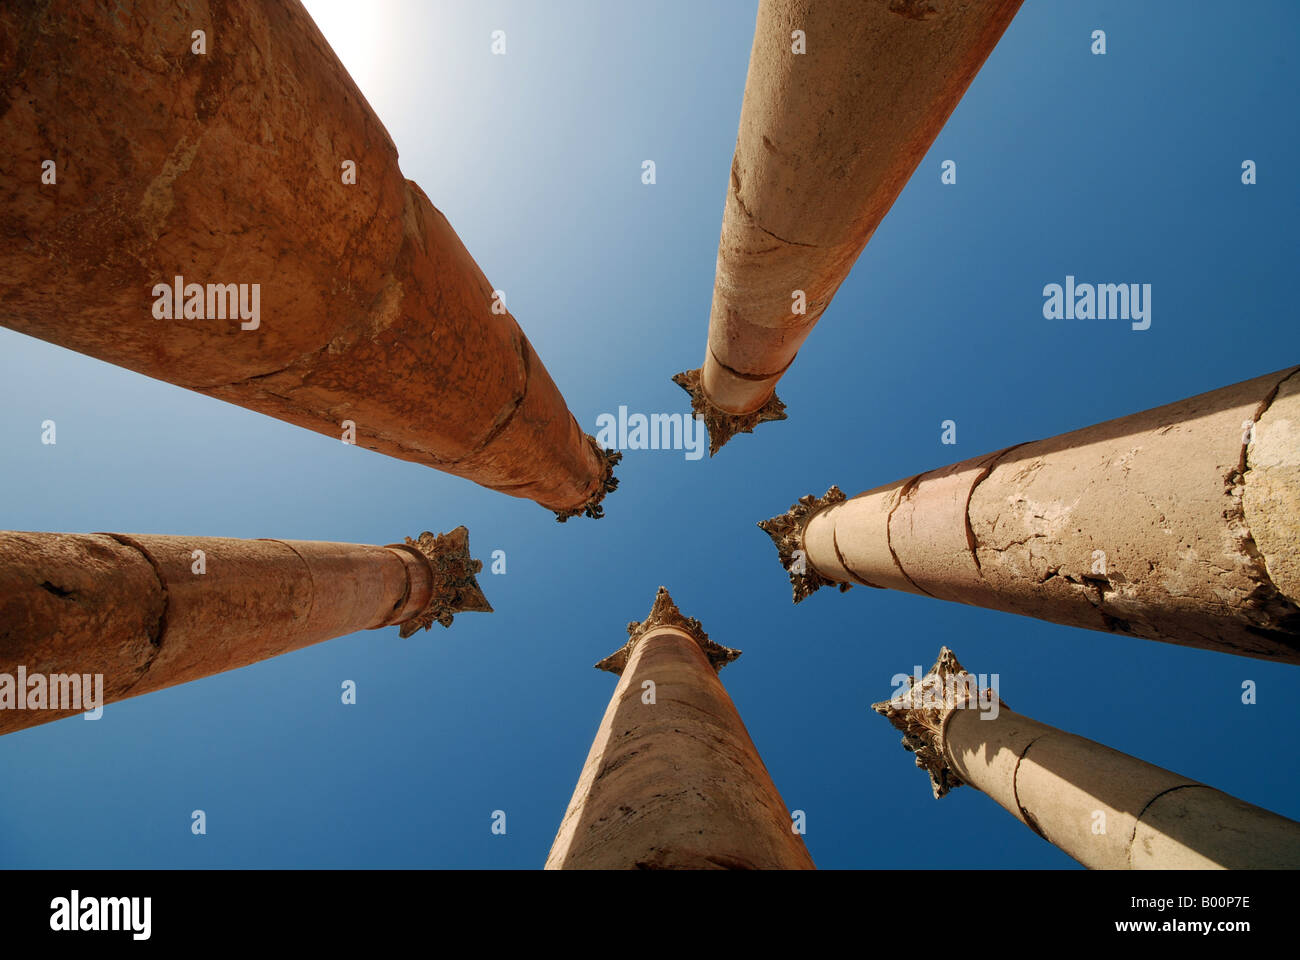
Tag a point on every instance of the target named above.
point(1123, 167)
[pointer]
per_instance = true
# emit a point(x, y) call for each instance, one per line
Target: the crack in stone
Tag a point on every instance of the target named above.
point(160, 628)
point(903, 494)
point(1260, 411)
point(515, 405)
point(311, 608)
point(1019, 543)
point(1137, 821)
point(1274, 607)
point(753, 377)
point(971, 540)
point(1015, 789)
point(159, 632)
point(835, 544)
point(735, 191)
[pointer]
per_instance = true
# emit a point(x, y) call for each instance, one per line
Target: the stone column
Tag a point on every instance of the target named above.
point(1179, 524)
point(185, 181)
point(834, 121)
point(673, 781)
point(148, 612)
point(1104, 808)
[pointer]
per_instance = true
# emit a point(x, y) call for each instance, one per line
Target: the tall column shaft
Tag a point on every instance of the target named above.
point(148, 612)
point(828, 139)
point(675, 783)
point(228, 167)
point(1104, 808)
point(1179, 524)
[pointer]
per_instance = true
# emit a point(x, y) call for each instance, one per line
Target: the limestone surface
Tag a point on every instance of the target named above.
point(1106, 809)
point(1179, 524)
point(832, 126)
point(673, 780)
point(149, 611)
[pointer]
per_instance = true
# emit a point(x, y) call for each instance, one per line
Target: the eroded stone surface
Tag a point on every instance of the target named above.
point(1171, 524)
point(1106, 809)
point(138, 609)
point(1271, 495)
point(225, 168)
point(675, 783)
point(827, 140)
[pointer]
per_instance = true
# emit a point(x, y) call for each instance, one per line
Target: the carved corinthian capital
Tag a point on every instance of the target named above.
point(920, 709)
point(786, 532)
point(454, 589)
point(664, 613)
point(608, 484)
point(722, 425)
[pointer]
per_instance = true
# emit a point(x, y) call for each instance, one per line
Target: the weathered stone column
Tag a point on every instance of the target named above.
point(149, 612)
point(828, 139)
point(1104, 808)
point(1179, 524)
point(235, 222)
point(673, 780)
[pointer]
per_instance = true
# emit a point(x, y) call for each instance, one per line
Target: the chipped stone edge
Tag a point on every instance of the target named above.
point(722, 426)
point(1268, 606)
point(786, 532)
point(664, 613)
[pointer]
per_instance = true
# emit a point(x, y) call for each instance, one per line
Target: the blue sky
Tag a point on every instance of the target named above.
point(1116, 168)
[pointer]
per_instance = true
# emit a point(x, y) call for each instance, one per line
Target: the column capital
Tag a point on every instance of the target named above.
point(664, 613)
point(786, 532)
point(453, 589)
point(722, 425)
point(921, 709)
point(608, 484)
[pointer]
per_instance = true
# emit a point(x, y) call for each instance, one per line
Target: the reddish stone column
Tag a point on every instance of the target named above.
point(828, 139)
point(1179, 524)
point(673, 780)
point(148, 612)
point(196, 173)
point(1106, 809)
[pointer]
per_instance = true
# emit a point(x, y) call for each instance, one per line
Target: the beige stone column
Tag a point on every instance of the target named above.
point(673, 781)
point(185, 181)
point(1104, 808)
point(1179, 524)
point(842, 101)
point(148, 612)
